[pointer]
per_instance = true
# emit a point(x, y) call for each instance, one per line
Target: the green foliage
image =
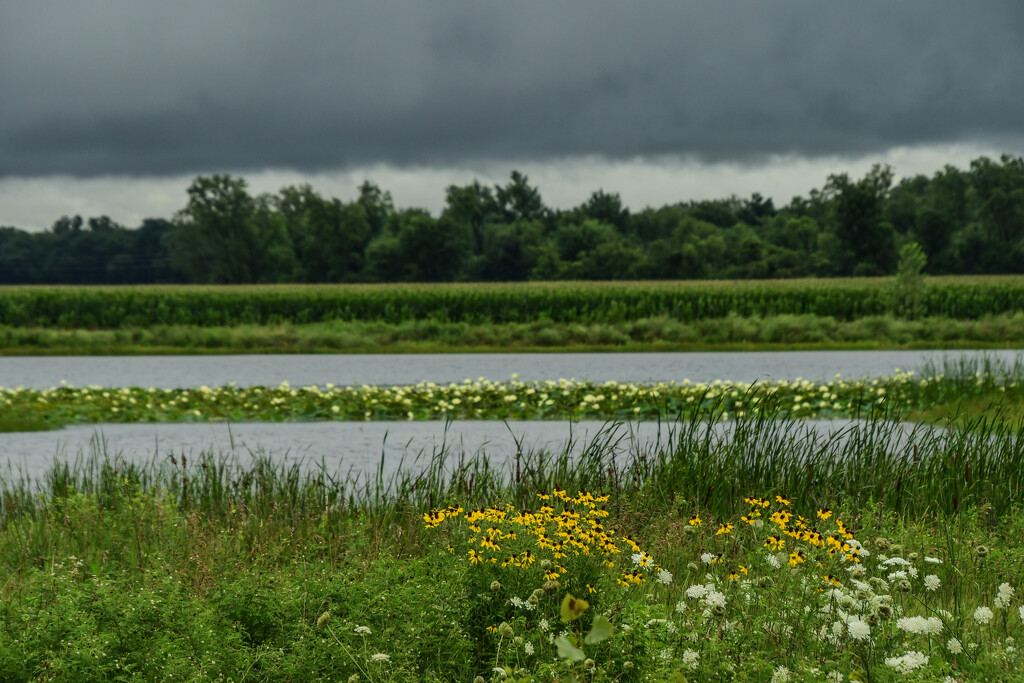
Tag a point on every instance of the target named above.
point(910, 280)
point(966, 221)
point(578, 302)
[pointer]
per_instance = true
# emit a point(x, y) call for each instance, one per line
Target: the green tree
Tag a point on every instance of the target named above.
point(214, 241)
point(868, 240)
point(519, 200)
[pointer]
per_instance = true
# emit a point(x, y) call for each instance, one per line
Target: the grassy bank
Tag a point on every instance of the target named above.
point(645, 334)
point(760, 557)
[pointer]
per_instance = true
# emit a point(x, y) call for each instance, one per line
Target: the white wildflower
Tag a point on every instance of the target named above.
point(835, 677)
point(381, 657)
point(954, 646)
point(780, 675)
point(681, 606)
point(528, 648)
point(919, 625)
point(363, 630)
point(544, 625)
point(1004, 595)
point(664, 577)
point(983, 615)
point(932, 582)
point(690, 659)
point(707, 558)
point(896, 560)
point(933, 560)
point(715, 599)
point(859, 629)
point(696, 591)
point(907, 663)
point(773, 561)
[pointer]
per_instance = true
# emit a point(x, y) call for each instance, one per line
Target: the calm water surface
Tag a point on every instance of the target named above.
point(301, 370)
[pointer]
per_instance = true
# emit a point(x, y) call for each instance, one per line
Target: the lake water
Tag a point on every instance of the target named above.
point(357, 448)
point(301, 370)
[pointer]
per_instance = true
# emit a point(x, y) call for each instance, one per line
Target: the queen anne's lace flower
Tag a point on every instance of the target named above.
point(907, 663)
point(696, 591)
point(1004, 594)
point(932, 582)
point(983, 615)
point(919, 625)
point(954, 646)
point(859, 629)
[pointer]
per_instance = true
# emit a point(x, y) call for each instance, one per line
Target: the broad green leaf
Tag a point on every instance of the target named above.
point(602, 630)
point(568, 651)
point(573, 608)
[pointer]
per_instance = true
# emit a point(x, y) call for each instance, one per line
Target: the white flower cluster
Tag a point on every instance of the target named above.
point(983, 615)
point(1004, 594)
point(932, 582)
point(664, 577)
point(896, 560)
point(859, 629)
point(690, 659)
point(780, 675)
point(920, 625)
point(909, 662)
point(519, 603)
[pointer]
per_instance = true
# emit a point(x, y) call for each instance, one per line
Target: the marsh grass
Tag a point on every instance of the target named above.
point(225, 567)
point(651, 333)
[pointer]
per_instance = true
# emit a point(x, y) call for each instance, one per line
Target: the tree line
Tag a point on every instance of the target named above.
point(964, 221)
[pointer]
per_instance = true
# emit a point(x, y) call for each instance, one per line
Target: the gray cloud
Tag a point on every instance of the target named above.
point(165, 88)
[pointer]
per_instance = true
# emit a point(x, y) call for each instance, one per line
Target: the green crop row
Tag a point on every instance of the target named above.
point(567, 302)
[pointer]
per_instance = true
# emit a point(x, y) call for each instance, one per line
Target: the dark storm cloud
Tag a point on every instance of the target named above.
point(159, 88)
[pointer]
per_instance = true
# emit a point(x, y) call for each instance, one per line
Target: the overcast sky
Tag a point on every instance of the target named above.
point(112, 107)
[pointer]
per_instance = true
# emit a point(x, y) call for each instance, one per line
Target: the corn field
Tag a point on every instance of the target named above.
point(956, 297)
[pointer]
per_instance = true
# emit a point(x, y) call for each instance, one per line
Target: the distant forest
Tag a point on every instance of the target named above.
point(965, 221)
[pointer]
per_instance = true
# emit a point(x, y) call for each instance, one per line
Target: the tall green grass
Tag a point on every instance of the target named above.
point(913, 470)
